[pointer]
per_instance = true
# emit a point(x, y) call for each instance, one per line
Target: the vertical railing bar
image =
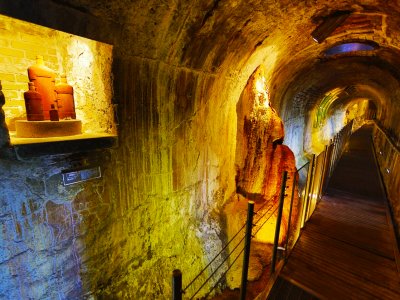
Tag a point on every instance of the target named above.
point(337, 141)
point(176, 285)
point(290, 216)
point(246, 255)
point(337, 150)
point(313, 171)
point(309, 188)
point(332, 158)
point(321, 183)
point(304, 202)
point(278, 222)
point(335, 147)
point(329, 164)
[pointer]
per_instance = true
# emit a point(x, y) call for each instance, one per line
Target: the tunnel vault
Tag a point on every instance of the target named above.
point(318, 96)
point(190, 138)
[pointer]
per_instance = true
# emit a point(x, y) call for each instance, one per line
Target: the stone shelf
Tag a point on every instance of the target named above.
point(46, 129)
point(85, 142)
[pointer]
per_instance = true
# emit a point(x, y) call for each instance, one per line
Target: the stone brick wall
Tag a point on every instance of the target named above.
point(86, 63)
point(45, 229)
point(48, 232)
point(19, 45)
point(159, 205)
point(179, 70)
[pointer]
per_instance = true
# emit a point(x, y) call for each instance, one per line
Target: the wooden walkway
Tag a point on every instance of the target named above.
point(347, 250)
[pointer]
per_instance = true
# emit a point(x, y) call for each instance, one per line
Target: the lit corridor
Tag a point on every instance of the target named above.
point(199, 149)
point(347, 250)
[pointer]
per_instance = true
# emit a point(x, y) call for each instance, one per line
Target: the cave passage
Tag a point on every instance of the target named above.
point(348, 247)
point(186, 111)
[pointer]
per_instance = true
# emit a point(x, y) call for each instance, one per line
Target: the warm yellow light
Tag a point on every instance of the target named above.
point(86, 63)
point(262, 91)
point(82, 54)
point(267, 233)
point(260, 83)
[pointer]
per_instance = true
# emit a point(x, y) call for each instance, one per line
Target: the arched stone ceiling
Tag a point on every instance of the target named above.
point(221, 36)
point(372, 77)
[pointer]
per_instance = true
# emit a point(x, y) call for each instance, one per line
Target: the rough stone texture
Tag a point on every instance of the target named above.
point(259, 131)
point(260, 161)
point(174, 183)
point(372, 83)
point(338, 116)
point(42, 244)
point(179, 70)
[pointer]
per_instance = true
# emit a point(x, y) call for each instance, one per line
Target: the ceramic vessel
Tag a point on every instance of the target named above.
point(65, 99)
point(33, 104)
point(44, 80)
point(53, 113)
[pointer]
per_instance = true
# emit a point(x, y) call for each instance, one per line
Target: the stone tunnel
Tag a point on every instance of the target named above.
point(190, 109)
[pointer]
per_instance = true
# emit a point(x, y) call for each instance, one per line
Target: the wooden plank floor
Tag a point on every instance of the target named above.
point(347, 249)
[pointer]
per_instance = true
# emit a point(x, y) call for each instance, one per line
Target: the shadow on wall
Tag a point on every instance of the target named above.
point(4, 135)
point(49, 243)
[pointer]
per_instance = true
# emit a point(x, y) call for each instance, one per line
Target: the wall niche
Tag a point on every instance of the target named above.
point(86, 63)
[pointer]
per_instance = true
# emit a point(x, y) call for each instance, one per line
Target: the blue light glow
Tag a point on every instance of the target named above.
point(349, 47)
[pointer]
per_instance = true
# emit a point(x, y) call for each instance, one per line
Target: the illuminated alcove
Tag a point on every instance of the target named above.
point(86, 64)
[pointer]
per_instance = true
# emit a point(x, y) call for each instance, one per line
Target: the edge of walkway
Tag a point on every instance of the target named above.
point(389, 214)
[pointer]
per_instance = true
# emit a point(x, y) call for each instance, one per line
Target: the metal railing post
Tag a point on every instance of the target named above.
point(335, 153)
point(328, 165)
point(312, 188)
point(278, 222)
point(309, 188)
point(322, 182)
point(176, 285)
point(290, 215)
point(246, 255)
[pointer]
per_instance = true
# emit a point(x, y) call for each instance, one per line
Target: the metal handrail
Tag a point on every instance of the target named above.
point(303, 166)
point(261, 217)
point(226, 258)
point(223, 275)
point(267, 219)
point(219, 266)
point(390, 217)
point(388, 138)
point(339, 139)
point(215, 257)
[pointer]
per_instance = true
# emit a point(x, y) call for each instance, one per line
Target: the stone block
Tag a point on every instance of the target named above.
point(29, 47)
point(22, 78)
point(12, 52)
point(13, 98)
point(7, 77)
